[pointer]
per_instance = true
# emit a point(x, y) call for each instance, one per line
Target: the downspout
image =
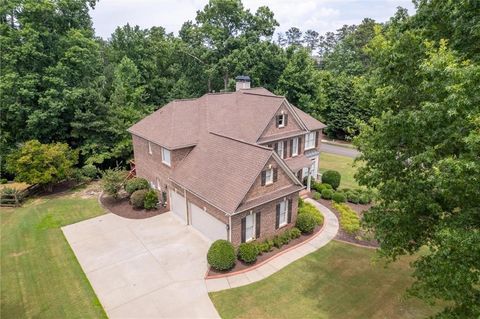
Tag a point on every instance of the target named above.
point(186, 205)
point(230, 228)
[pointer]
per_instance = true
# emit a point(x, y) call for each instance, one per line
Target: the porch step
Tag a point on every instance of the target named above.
point(305, 194)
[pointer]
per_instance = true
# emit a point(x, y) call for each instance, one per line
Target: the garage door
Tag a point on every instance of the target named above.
point(208, 225)
point(178, 205)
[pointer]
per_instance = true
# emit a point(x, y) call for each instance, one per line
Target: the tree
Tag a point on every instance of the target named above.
point(44, 164)
point(422, 155)
point(112, 181)
point(311, 39)
point(294, 36)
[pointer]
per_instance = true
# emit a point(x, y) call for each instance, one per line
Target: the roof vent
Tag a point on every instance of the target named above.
point(242, 82)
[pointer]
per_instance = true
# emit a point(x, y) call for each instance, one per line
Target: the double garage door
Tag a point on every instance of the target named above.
point(208, 225)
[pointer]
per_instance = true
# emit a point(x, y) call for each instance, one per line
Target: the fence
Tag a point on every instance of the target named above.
point(16, 199)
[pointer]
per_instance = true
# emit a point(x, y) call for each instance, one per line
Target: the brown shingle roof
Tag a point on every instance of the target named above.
point(269, 197)
point(298, 162)
point(311, 123)
point(221, 170)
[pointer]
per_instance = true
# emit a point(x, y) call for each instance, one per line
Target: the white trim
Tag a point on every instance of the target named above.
point(269, 181)
point(280, 145)
point(283, 120)
point(252, 237)
point(306, 148)
point(295, 143)
point(149, 147)
point(285, 213)
point(164, 161)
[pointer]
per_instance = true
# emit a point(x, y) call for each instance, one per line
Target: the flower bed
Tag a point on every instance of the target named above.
point(123, 208)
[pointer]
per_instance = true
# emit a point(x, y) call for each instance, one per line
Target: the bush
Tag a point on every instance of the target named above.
point(3, 181)
point(112, 181)
point(339, 197)
point(353, 197)
point(364, 199)
point(138, 198)
point(285, 237)
point(306, 223)
point(221, 255)
point(89, 171)
point(327, 194)
point(313, 211)
point(151, 199)
point(136, 184)
point(316, 196)
point(295, 233)
point(349, 220)
point(301, 202)
point(332, 178)
point(319, 187)
point(277, 242)
point(248, 252)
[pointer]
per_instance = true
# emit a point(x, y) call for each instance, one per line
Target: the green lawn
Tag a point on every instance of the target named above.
point(339, 163)
point(337, 281)
point(40, 275)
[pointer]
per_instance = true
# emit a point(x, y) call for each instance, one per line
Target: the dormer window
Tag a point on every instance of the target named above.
point(282, 120)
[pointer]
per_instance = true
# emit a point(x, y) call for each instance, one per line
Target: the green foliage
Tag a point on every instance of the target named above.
point(319, 187)
point(327, 193)
point(349, 220)
point(339, 197)
point(3, 181)
point(301, 202)
point(277, 242)
point(151, 199)
point(316, 195)
point(306, 223)
point(90, 171)
point(247, 252)
point(44, 164)
point(135, 184)
point(138, 198)
point(332, 178)
point(221, 255)
point(295, 233)
point(313, 211)
point(112, 181)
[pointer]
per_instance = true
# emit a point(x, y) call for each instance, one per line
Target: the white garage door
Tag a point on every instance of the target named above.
point(208, 225)
point(178, 205)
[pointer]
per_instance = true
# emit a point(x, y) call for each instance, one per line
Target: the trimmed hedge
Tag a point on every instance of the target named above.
point(327, 194)
point(136, 184)
point(349, 220)
point(306, 223)
point(151, 199)
point(332, 178)
point(247, 252)
point(221, 255)
point(138, 198)
point(339, 197)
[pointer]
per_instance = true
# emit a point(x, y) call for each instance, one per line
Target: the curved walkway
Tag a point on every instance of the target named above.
point(328, 232)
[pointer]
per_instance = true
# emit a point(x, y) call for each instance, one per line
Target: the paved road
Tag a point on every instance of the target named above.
point(339, 150)
point(144, 268)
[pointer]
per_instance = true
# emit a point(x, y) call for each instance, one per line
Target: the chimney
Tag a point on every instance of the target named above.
point(242, 82)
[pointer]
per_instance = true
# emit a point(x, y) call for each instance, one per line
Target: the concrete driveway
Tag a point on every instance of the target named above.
point(148, 268)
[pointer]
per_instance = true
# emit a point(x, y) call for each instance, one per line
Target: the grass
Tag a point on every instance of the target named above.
point(40, 276)
point(342, 164)
point(337, 281)
point(15, 185)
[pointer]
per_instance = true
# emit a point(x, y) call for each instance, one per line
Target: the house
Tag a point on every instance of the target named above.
point(231, 164)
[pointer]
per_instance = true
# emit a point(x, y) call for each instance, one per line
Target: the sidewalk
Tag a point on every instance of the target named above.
point(328, 232)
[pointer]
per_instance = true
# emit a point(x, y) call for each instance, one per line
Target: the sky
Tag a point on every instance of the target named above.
point(319, 15)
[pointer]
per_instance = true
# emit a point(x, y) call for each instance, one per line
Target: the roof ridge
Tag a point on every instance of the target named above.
point(218, 93)
point(240, 141)
point(267, 95)
point(189, 99)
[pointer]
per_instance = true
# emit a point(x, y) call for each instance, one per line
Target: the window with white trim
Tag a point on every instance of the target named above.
point(280, 149)
point(249, 227)
point(283, 218)
point(165, 156)
point(295, 146)
point(149, 148)
point(310, 140)
point(268, 176)
point(281, 120)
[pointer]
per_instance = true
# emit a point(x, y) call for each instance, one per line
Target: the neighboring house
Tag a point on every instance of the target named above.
point(231, 163)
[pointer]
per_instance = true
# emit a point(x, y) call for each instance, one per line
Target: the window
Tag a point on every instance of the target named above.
point(281, 120)
point(295, 146)
point(283, 217)
point(159, 186)
point(268, 176)
point(249, 227)
point(165, 156)
point(280, 149)
point(310, 140)
point(149, 148)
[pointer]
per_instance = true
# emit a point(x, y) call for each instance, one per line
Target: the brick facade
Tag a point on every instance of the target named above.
point(291, 126)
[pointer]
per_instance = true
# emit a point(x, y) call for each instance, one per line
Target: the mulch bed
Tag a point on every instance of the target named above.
point(240, 265)
point(342, 235)
point(122, 207)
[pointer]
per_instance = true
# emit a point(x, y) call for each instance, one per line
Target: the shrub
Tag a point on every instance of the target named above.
point(277, 242)
point(353, 197)
point(327, 194)
point(364, 199)
point(248, 252)
point(112, 181)
point(221, 255)
point(138, 198)
point(263, 247)
point(306, 223)
point(316, 196)
point(349, 220)
point(332, 178)
point(136, 184)
point(301, 202)
point(3, 181)
point(313, 211)
point(295, 233)
point(151, 199)
point(319, 187)
point(339, 197)
point(89, 171)
point(285, 237)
